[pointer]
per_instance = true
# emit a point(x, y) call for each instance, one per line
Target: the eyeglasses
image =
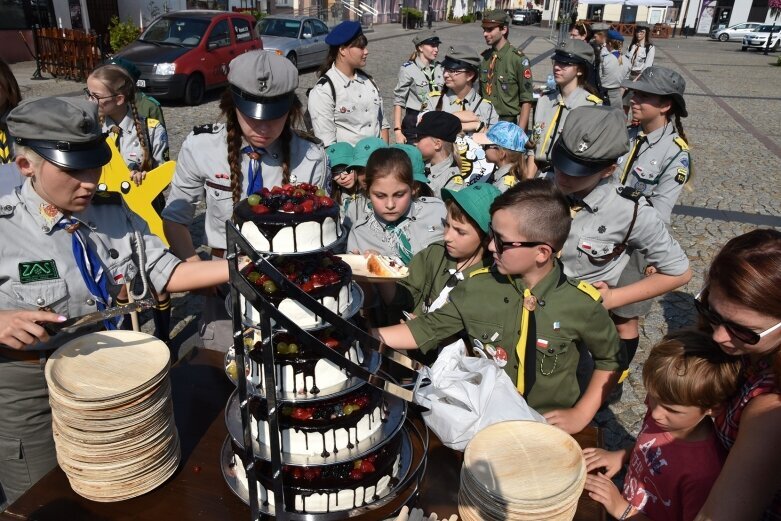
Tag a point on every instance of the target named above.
point(489, 146)
point(454, 72)
point(339, 173)
point(94, 97)
point(742, 333)
point(501, 246)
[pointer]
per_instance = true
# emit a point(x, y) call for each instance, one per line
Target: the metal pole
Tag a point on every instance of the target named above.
point(769, 38)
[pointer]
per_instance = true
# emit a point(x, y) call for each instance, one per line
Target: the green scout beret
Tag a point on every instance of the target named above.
point(662, 82)
point(461, 57)
point(263, 84)
point(416, 158)
point(593, 138)
point(64, 131)
point(427, 37)
point(475, 200)
point(364, 148)
point(574, 51)
point(339, 154)
point(495, 17)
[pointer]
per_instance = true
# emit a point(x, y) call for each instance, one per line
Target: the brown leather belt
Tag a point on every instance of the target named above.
point(218, 252)
point(20, 355)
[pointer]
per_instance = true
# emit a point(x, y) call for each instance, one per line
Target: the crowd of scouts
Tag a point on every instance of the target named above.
point(547, 259)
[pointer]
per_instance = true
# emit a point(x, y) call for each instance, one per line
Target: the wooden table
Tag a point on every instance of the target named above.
point(198, 491)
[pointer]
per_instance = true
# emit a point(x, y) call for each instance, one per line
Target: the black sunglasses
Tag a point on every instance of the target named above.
point(742, 333)
point(501, 246)
point(489, 146)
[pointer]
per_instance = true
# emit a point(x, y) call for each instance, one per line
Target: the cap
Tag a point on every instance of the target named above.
point(439, 124)
point(127, 65)
point(612, 34)
point(343, 33)
point(461, 57)
point(416, 158)
point(495, 17)
point(339, 153)
point(427, 37)
point(593, 138)
point(364, 148)
point(599, 26)
point(505, 134)
point(263, 84)
point(475, 200)
point(662, 82)
point(64, 131)
point(574, 51)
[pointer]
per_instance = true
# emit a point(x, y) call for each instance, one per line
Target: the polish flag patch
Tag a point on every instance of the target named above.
point(585, 245)
point(542, 343)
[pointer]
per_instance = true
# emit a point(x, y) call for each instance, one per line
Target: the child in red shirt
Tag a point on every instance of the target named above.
point(677, 456)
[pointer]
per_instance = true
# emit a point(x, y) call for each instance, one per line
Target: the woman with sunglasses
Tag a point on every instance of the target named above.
point(741, 306)
point(344, 179)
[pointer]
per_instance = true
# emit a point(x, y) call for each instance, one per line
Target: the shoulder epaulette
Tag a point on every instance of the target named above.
point(587, 288)
point(487, 101)
point(105, 197)
point(633, 194)
point(593, 98)
point(152, 122)
point(681, 143)
point(209, 128)
point(481, 271)
point(303, 134)
point(509, 179)
point(406, 64)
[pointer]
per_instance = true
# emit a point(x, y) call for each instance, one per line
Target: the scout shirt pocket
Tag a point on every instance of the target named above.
point(598, 251)
point(52, 294)
point(219, 203)
point(551, 353)
point(487, 332)
point(645, 177)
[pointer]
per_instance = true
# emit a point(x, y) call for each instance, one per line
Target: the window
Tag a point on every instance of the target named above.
point(220, 36)
point(758, 11)
point(308, 29)
point(26, 14)
point(320, 28)
point(242, 30)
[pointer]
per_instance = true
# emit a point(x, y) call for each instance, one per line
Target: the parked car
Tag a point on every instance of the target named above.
point(184, 53)
point(736, 32)
point(758, 38)
point(300, 38)
point(519, 17)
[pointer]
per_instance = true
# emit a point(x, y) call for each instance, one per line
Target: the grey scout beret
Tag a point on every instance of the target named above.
point(574, 51)
point(662, 82)
point(263, 84)
point(461, 56)
point(593, 138)
point(428, 37)
point(64, 131)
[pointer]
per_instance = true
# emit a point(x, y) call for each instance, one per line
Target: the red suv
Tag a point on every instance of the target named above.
point(182, 54)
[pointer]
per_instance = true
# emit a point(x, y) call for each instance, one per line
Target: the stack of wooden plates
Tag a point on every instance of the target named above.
point(521, 470)
point(112, 415)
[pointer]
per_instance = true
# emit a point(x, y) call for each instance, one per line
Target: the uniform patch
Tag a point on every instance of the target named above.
point(525, 62)
point(36, 271)
point(685, 162)
point(509, 180)
point(681, 176)
point(542, 343)
point(458, 180)
point(527, 74)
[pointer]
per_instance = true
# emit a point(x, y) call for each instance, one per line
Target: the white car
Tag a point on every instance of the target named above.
point(736, 32)
point(519, 17)
point(758, 38)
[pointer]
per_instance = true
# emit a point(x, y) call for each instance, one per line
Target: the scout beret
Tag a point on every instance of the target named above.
point(599, 26)
point(439, 124)
point(416, 158)
point(475, 200)
point(427, 37)
point(593, 139)
point(64, 131)
point(612, 34)
point(127, 65)
point(343, 33)
point(574, 51)
point(495, 17)
point(339, 153)
point(505, 134)
point(364, 148)
point(263, 84)
point(662, 82)
point(461, 57)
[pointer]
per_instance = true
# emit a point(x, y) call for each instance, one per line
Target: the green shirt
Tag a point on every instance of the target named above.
point(509, 82)
point(569, 316)
point(149, 107)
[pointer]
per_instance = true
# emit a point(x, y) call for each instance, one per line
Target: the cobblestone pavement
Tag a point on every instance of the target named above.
point(734, 99)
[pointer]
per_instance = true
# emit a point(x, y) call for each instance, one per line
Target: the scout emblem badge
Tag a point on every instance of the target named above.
point(491, 352)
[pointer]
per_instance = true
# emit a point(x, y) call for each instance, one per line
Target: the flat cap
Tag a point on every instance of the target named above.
point(263, 84)
point(343, 33)
point(593, 139)
point(475, 200)
point(339, 153)
point(416, 158)
point(64, 131)
point(439, 124)
point(364, 148)
point(574, 51)
point(495, 17)
point(612, 34)
point(461, 57)
point(662, 82)
point(505, 134)
point(427, 37)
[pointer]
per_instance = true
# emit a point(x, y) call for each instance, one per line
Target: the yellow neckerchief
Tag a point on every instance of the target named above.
point(554, 123)
point(632, 156)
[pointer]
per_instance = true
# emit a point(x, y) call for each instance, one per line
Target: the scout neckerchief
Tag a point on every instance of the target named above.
point(490, 78)
point(5, 150)
point(526, 357)
point(553, 127)
point(403, 245)
point(429, 73)
point(255, 176)
point(90, 267)
point(641, 138)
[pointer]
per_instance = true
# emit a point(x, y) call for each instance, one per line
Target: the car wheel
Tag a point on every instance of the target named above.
point(744, 48)
point(723, 37)
point(194, 89)
point(293, 58)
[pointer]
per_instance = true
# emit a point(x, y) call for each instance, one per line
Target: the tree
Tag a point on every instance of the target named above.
point(775, 8)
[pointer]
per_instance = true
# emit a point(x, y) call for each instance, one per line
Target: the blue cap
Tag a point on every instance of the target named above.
point(505, 134)
point(612, 34)
point(343, 33)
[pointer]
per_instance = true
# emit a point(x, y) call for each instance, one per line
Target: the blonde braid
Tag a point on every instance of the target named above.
point(146, 162)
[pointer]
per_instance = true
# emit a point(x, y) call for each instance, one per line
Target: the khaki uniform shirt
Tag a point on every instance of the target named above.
point(506, 80)
point(503, 179)
point(482, 108)
point(658, 165)
point(129, 145)
point(202, 169)
point(445, 174)
point(569, 316)
point(550, 113)
point(613, 70)
point(419, 86)
point(38, 269)
point(356, 113)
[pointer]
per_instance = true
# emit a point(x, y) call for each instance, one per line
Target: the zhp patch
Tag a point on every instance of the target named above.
point(38, 270)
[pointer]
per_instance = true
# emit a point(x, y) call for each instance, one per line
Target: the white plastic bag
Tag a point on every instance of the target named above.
point(466, 395)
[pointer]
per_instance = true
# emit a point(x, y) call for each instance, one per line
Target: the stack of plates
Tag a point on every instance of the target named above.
point(521, 470)
point(112, 415)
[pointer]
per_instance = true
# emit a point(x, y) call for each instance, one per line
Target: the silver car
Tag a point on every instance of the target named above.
point(758, 38)
point(736, 32)
point(299, 38)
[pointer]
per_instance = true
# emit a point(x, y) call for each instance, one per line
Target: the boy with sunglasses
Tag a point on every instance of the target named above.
point(535, 318)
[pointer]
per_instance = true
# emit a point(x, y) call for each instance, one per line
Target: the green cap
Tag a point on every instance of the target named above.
point(495, 17)
point(593, 138)
point(475, 200)
point(339, 154)
point(416, 158)
point(364, 148)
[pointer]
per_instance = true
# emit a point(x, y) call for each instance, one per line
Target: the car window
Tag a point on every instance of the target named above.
point(176, 31)
point(320, 28)
point(241, 28)
point(220, 36)
point(280, 27)
point(308, 28)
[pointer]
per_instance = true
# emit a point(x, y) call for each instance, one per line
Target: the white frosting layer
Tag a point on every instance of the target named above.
point(306, 236)
point(299, 314)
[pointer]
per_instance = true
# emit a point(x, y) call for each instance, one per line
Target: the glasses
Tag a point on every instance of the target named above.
point(501, 246)
point(742, 333)
point(489, 146)
point(94, 97)
point(454, 72)
point(338, 173)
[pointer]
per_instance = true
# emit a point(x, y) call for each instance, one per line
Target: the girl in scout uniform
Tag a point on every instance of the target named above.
point(437, 133)
point(397, 224)
point(345, 104)
point(255, 148)
point(345, 183)
point(641, 52)
point(64, 253)
point(505, 146)
point(420, 82)
point(613, 68)
point(571, 64)
point(10, 96)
